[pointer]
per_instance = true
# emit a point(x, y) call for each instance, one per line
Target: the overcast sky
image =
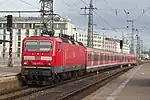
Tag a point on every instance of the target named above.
point(111, 14)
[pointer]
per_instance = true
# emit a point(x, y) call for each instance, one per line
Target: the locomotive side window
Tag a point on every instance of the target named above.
point(59, 46)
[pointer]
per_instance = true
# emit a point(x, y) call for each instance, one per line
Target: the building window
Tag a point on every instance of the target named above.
point(18, 52)
point(62, 25)
point(4, 25)
point(19, 38)
point(27, 32)
point(55, 26)
point(36, 26)
point(1, 25)
point(27, 26)
point(18, 55)
point(30, 26)
point(19, 44)
point(19, 25)
point(19, 31)
point(13, 25)
point(35, 32)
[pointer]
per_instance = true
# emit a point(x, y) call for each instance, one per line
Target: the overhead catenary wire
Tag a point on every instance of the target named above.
point(103, 20)
point(3, 3)
point(109, 6)
point(142, 13)
point(84, 2)
point(99, 16)
point(69, 6)
point(29, 4)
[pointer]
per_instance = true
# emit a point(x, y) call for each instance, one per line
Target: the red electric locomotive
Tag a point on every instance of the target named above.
point(49, 59)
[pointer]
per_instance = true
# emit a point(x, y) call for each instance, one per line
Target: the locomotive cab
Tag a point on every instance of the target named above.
point(37, 60)
point(37, 53)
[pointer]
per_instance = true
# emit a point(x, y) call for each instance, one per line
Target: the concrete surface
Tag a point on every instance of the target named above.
point(9, 79)
point(133, 85)
point(4, 70)
point(9, 83)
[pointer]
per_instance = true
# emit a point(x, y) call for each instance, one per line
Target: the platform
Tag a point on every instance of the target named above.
point(133, 85)
point(9, 78)
point(9, 71)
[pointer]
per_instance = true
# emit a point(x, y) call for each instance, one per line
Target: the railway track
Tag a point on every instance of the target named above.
point(26, 90)
point(84, 91)
point(61, 90)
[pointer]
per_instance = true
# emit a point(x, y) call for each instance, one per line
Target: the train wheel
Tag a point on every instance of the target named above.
point(69, 75)
point(63, 76)
point(56, 78)
point(75, 74)
point(80, 73)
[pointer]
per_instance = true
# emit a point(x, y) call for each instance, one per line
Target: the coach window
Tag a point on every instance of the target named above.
point(117, 58)
point(100, 57)
point(106, 57)
point(89, 57)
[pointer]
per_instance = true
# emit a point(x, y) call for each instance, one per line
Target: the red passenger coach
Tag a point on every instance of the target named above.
point(45, 59)
point(99, 59)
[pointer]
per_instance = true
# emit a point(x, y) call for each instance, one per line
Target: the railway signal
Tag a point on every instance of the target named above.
point(9, 22)
point(121, 44)
point(9, 28)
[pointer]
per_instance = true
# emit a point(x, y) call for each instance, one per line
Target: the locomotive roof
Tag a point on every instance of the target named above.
point(54, 38)
point(72, 42)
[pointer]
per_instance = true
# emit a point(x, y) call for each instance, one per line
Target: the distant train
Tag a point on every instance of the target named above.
point(47, 60)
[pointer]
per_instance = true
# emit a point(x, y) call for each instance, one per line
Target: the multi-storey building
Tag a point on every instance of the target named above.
point(29, 26)
point(98, 40)
point(104, 43)
point(110, 44)
point(125, 49)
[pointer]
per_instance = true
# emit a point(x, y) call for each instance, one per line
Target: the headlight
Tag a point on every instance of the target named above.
point(49, 63)
point(25, 63)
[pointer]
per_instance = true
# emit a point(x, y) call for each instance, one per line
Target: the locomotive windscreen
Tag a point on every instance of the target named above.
point(42, 46)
